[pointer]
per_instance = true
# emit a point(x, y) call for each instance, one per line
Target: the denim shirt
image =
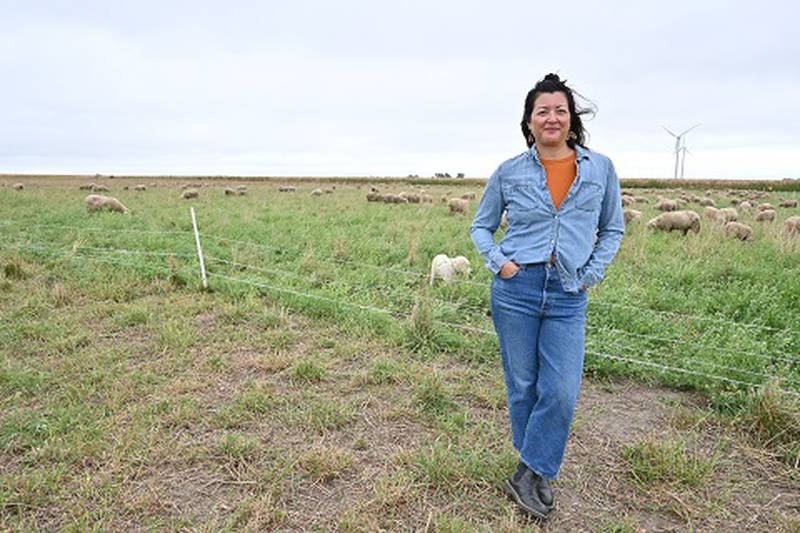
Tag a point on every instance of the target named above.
point(583, 234)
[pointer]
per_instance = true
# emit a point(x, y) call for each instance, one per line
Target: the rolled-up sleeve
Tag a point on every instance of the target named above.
point(610, 230)
point(486, 222)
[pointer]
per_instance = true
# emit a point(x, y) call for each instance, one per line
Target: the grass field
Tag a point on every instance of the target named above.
point(321, 384)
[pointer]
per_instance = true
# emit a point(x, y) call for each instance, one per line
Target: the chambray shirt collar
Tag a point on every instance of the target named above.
point(580, 153)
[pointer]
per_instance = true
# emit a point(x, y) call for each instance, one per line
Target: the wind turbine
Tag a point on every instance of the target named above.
point(680, 146)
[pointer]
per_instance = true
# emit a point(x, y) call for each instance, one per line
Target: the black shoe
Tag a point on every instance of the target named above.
point(524, 487)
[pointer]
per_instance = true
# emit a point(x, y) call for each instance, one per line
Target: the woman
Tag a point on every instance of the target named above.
point(565, 224)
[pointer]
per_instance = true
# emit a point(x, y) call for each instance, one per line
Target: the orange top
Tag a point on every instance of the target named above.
point(560, 175)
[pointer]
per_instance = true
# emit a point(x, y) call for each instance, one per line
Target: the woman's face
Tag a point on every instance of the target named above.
point(550, 119)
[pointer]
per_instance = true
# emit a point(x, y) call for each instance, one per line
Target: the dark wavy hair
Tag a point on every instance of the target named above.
point(553, 84)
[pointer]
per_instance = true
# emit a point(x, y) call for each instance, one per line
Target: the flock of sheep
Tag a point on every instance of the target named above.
point(675, 218)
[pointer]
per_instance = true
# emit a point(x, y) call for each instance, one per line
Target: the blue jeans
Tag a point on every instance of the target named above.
point(541, 332)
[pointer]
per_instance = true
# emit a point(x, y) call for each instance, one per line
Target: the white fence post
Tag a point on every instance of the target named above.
point(199, 249)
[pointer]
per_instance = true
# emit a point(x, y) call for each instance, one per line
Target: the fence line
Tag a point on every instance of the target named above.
point(786, 358)
point(683, 371)
point(672, 314)
point(707, 363)
point(85, 228)
point(73, 256)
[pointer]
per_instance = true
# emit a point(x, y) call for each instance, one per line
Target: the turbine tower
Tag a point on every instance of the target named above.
point(680, 148)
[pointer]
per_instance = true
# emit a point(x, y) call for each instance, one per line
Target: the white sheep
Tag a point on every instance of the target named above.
point(19, 186)
point(447, 268)
point(468, 196)
point(788, 203)
point(140, 187)
point(190, 193)
point(316, 192)
point(458, 205)
point(766, 216)
point(229, 191)
point(676, 220)
point(706, 201)
point(738, 230)
point(791, 226)
point(241, 190)
point(766, 207)
point(96, 202)
point(667, 205)
point(287, 188)
point(631, 214)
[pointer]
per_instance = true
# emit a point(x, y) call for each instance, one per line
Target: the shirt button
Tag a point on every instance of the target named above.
point(556, 217)
point(551, 241)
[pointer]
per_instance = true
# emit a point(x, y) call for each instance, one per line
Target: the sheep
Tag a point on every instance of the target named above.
point(447, 268)
point(87, 187)
point(287, 188)
point(140, 187)
point(766, 216)
point(229, 191)
point(765, 207)
point(788, 203)
point(328, 190)
point(676, 220)
point(426, 199)
point(241, 190)
point(190, 193)
point(627, 200)
point(706, 201)
point(631, 215)
point(458, 205)
point(316, 192)
point(125, 188)
point(101, 188)
point(411, 197)
point(667, 205)
point(374, 197)
point(726, 214)
point(96, 202)
point(468, 196)
point(394, 199)
point(791, 226)
point(641, 199)
point(745, 205)
point(738, 230)
point(19, 186)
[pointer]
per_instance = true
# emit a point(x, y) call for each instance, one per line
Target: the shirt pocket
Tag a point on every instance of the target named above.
point(523, 202)
point(589, 197)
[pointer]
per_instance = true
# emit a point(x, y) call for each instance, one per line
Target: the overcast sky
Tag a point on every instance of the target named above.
point(380, 88)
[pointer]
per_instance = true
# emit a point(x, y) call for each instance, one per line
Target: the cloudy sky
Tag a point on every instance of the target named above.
point(391, 88)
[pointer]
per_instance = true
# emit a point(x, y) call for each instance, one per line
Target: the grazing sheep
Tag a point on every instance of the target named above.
point(241, 190)
point(19, 186)
point(443, 199)
point(190, 193)
point(411, 197)
point(458, 205)
point(426, 199)
point(287, 188)
point(706, 201)
point(87, 187)
point(374, 197)
point(628, 200)
point(631, 215)
point(394, 199)
point(745, 205)
point(738, 230)
point(96, 202)
point(446, 268)
point(140, 187)
point(766, 216)
point(791, 226)
point(229, 191)
point(766, 207)
point(125, 188)
point(642, 199)
point(726, 214)
point(676, 220)
point(788, 203)
point(316, 192)
point(468, 196)
point(374, 189)
point(667, 205)
point(101, 188)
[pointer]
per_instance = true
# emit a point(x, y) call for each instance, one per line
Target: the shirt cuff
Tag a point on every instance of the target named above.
point(496, 261)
